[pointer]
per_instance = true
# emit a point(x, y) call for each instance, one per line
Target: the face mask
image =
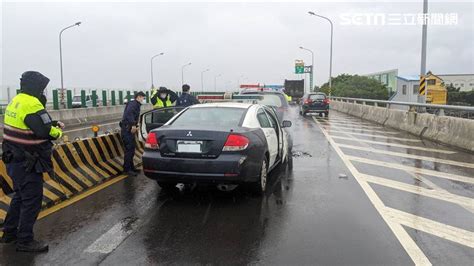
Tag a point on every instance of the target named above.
point(162, 95)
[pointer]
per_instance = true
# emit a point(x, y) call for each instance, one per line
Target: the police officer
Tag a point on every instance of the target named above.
point(27, 149)
point(129, 127)
point(163, 98)
point(186, 99)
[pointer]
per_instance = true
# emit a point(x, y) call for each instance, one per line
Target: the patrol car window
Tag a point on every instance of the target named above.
point(76, 99)
point(272, 118)
point(263, 119)
point(211, 116)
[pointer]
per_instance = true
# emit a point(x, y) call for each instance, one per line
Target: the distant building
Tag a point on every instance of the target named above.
point(407, 89)
point(388, 78)
point(465, 82)
point(436, 89)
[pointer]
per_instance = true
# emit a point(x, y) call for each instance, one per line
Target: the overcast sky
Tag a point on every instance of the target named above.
point(113, 46)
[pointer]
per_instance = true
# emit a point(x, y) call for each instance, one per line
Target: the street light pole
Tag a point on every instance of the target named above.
point(151, 63)
point(330, 53)
point(61, 58)
point(202, 79)
point(215, 82)
point(182, 73)
point(312, 68)
point(424, 33)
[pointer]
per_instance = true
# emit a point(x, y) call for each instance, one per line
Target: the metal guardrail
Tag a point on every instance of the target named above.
point(459, 110)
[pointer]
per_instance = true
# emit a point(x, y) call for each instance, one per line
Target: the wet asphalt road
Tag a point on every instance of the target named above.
point(359, 194)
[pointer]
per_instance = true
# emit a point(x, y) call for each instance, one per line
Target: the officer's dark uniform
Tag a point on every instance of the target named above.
point(186, 100)
point(129, 119)
point(27, 148)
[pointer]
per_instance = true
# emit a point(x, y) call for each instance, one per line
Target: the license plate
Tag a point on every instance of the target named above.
point(189, 146)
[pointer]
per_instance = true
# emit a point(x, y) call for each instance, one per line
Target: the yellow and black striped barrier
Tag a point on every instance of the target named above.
point(422, 88)
point(78, 166)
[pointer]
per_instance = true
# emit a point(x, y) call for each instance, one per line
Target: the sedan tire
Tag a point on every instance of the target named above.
point(260, 186)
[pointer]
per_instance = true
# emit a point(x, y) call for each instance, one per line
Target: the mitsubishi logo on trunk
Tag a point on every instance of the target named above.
point(190, 134)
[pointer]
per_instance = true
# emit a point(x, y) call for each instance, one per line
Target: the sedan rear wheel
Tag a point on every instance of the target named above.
point(260, 186)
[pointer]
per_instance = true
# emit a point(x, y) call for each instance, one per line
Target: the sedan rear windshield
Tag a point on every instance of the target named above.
point(317, 97)
point(211, 116)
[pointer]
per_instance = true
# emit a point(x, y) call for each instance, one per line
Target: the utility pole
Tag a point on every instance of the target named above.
point(424, 33)
point(151, 63)
point(182, 73)
point(61, 59)
point(202, 79)
point(330, 52)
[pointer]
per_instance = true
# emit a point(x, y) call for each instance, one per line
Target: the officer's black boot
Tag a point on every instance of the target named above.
point(32, 246)
point(7, 239)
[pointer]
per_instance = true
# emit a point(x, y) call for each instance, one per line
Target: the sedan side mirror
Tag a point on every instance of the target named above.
point(286, 123)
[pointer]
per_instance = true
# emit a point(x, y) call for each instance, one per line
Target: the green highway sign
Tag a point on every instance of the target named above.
point(299, 67)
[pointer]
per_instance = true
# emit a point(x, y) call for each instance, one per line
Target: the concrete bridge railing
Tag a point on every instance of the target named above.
point(452, 131)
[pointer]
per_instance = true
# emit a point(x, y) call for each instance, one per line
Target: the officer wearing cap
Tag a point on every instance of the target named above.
point(27, 149)
point(129, 127)
point(163, 98)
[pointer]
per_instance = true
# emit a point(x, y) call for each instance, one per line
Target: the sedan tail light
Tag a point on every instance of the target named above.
point(308, 101)
point(326, 101)
point(236, 143)
point(152, 142)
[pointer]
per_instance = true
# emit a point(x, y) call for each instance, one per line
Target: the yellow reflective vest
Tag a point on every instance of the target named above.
point(160, 103)
point(15, 129)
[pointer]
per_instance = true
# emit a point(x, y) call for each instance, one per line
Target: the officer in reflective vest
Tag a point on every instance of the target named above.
point(27, 150)
point(163, 98)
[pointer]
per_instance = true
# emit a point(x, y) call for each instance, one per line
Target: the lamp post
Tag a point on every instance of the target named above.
point(215, 82)
point(61, 58)
point(182, 72)
point(202, 79)
point(151, 63)
point(424, 33)
point(312, 68)
point(330, 53)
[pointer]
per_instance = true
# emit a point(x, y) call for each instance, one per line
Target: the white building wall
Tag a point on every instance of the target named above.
point(407, 91)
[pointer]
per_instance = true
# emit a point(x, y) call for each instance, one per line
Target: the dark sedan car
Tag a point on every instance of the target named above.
point(316, 102)
point(222, 143)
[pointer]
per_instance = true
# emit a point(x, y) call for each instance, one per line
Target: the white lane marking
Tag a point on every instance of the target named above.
point(374, 135)
point(436, 187)
point(110, 240)
point(454, 234)
point(360, 129)
point(395, 145)
point(415, 253)
point(411, 156)
point(440, 195)
point(345, 122)
point(351, 125)
point(412, 169)
point(85, 128)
